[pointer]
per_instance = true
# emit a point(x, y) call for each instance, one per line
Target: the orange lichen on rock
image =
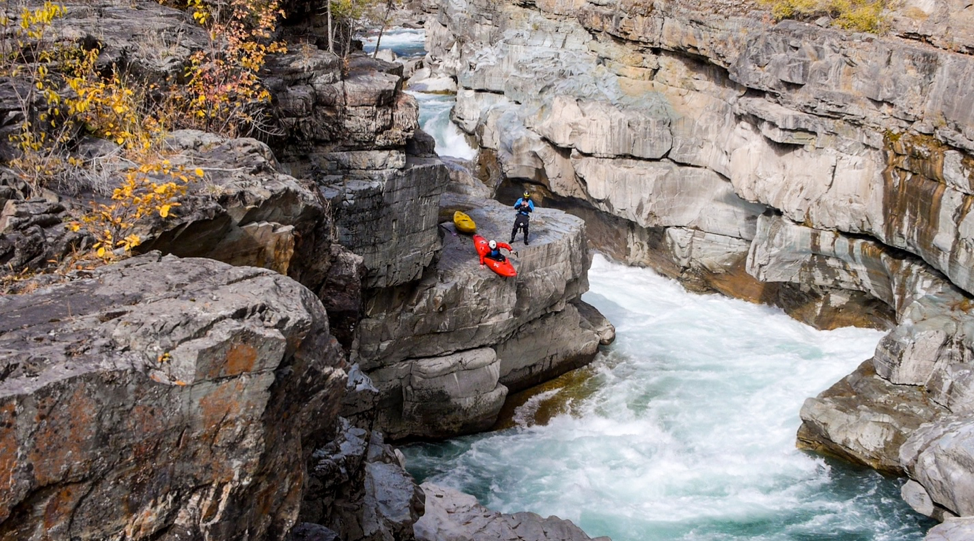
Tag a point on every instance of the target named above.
point(8, 457)
point(241, 358)
point(63, 437)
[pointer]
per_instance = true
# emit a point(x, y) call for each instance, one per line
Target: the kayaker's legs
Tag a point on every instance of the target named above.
point(521, 222)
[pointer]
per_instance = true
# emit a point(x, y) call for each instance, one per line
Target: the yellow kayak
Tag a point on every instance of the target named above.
point(464, 223)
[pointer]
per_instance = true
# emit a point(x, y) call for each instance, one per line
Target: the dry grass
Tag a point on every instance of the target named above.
point(856, 15)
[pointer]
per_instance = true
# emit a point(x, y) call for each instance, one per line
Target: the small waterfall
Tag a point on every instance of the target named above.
point(434, 118)
point(434, 108)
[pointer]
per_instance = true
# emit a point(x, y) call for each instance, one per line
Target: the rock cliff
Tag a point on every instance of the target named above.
point(444, 350)
point(821, 170)
point(145, 400)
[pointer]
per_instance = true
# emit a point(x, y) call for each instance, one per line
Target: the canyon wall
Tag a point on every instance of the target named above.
point(824, 171)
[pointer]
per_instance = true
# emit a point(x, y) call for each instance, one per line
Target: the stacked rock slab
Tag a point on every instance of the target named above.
point(826, 171)
point(162, 398)
point(444, 350)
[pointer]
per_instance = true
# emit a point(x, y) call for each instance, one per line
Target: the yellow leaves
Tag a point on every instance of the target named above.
point(140, 194)
point(856, 15)
point(199, 172)
point(129, 242)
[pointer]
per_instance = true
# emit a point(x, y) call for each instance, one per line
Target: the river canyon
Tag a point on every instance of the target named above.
point(746, 299)
point(683, 428)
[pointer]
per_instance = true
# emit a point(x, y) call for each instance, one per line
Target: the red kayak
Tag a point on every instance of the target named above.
point(504, 268)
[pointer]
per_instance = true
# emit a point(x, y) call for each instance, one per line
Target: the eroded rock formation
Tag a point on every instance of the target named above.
point(444, 350)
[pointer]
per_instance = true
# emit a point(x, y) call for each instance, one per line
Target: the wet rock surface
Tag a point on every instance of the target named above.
point(455, 516)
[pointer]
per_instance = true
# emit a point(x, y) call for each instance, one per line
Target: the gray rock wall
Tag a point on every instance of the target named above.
point(457, 516)
point(390, 219)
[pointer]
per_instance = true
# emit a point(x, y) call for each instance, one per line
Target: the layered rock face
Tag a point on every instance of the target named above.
point(146, 400)
point(827, 172)
point(444, 350)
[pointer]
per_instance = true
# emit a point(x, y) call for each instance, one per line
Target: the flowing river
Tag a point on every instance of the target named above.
point(685, 429)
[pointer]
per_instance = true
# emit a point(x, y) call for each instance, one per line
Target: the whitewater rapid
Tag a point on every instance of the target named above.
point(434, 118)
point(688, 432)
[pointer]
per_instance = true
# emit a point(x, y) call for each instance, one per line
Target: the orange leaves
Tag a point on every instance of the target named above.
point(224, 91)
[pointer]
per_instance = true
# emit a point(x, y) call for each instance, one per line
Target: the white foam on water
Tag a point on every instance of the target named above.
point(434, 109)
point(434, 118)
point(405, 42)
point(525, 413)
point(691, 434)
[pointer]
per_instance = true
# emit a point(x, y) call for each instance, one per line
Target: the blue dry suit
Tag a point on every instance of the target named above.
point(521, 219)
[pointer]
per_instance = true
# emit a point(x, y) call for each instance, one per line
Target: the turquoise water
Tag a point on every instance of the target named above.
point(434, 118)
point(690, 432)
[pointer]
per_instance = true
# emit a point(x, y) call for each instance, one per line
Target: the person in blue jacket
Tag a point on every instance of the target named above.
point(524, 207)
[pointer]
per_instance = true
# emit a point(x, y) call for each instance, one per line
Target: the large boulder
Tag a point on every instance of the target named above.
point(454, 516)
point(865, 419)
point(162, 398)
